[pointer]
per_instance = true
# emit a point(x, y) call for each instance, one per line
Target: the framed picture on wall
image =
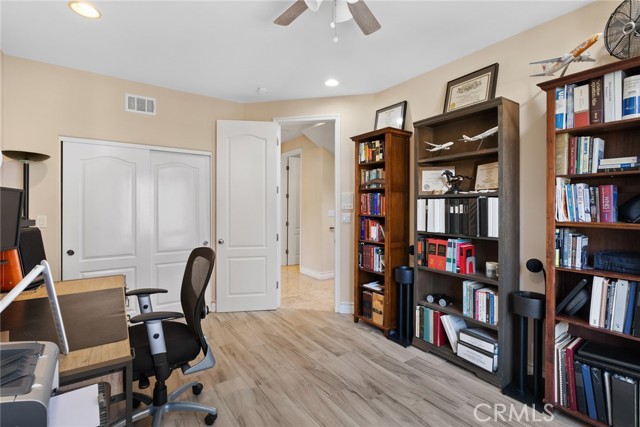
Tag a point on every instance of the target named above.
point(472, 88)
point(391, 116)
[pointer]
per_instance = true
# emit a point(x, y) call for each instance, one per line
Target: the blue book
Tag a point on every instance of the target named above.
point(631, 305)
point(588, 391)
point(561, 108)
point(568, 92)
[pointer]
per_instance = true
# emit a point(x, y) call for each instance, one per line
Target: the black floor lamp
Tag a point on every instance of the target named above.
point(25, 157)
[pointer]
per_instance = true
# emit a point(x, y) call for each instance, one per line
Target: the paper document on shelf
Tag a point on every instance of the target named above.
point(75, 408)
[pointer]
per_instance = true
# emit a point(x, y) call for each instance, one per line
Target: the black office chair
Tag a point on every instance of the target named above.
point(160, 345)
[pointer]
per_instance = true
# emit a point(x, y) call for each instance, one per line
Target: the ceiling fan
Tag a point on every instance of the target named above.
point(344, 10)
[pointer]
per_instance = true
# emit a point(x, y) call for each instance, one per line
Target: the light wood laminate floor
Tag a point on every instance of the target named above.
point(311, 368)
point(304, 292)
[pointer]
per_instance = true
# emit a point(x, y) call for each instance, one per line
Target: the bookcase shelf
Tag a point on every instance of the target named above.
point(394, 146)
point(621, 138)
point(502, 148)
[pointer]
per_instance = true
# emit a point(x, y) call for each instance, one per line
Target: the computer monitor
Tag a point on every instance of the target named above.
point(10, 216)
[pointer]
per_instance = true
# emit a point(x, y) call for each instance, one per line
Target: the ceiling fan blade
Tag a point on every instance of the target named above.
point(291, 13)
point(363, 17)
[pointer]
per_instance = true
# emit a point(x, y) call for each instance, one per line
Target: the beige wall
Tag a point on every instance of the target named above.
point(42, 102)
point(425, 96)
point(317, 197)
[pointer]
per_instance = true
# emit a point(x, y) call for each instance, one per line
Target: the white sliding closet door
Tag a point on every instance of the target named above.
point(134, 211)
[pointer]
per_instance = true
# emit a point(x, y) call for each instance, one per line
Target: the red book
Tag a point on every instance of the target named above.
point(441, 254)
point(432, 250)
point(467, 258)
point(571, 350)
point(581, 106)
point(439, 336)
point(573, 154)
point(608, 201)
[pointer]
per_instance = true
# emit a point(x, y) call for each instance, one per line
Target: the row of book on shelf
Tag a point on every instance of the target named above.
point(454, 255)
point(480, 302)
point(472, 216)
point(602, 99)
point(372, 178)
point(581, 202)
point(476, 345)
point(373, 306)
point(371, 229)
point(615, 305)
point(599, 381)
point(572, 248)
point(370, 151)
point(371, 257)
point(372, 204)
point(576, 155)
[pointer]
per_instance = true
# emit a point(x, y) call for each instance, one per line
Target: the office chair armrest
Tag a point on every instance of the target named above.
point(145, 291)
point(156, 315)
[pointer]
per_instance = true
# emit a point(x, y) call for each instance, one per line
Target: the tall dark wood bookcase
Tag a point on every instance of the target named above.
point(392, 148)
point(622, 138)
point(503, 148)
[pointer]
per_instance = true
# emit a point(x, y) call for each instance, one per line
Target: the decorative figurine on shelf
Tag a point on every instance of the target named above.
point(454, 181)
point(480, 137)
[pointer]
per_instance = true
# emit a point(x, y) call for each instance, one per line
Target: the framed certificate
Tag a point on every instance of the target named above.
point(432, 181)
point(472, 88)
point(391, 116)
point(487, 177)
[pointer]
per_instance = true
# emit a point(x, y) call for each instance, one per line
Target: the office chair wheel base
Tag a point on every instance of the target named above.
point(197, 389)
point(210, 419)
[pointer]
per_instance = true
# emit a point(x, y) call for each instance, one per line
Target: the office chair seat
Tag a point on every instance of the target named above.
point(182, 347)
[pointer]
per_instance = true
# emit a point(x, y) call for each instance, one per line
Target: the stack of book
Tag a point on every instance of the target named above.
point(429, 326)
point(601, 382)
point(371, 151)
point(372, 178)
point(572, 248)
point(371, 257)
point(454, 255)
point(615, 305)
point(479, 347)
point(614, 164)
point(596, 101)
point(372, 204)
point(371, 229)
point(582, 203)
point(578, 154)
point(471, 216)
point(480, 302)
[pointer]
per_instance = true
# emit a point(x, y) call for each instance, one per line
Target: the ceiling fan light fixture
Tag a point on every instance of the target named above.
point(342, 11)
point(84, 9)
point(313, 5)
point(331, 83)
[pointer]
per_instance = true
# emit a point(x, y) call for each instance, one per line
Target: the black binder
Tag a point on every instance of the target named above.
point(623, 358)
point(636, 316)
point(580, 397)
point(598, 393)
point(624, 399)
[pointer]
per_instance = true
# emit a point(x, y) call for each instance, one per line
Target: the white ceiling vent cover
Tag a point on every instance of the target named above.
point(139, 104)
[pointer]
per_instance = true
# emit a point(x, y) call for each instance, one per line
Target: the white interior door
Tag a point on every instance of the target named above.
point(134, 211)
point(106, 207)
point(247, 177)
point(293, 235)
point(181, 218)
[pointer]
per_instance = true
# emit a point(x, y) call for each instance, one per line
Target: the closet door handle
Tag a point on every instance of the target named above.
point(70, 252)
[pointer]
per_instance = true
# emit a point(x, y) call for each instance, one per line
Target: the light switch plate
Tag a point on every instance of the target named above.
point(347, 201)
point(346, 218)
point(41, 221)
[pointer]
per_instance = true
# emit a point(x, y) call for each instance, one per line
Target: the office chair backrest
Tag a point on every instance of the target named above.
point(194, 283)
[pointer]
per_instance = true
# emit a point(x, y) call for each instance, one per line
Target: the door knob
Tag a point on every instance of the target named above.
point(205, 243)
point(70, 252)
point(220, 241)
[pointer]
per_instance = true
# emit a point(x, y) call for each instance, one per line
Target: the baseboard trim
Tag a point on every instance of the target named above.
point(345, 308)
point(319, 275)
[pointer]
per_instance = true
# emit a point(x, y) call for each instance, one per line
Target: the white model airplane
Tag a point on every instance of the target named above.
point(551, 65)
point(438, 147)
point(479, 136)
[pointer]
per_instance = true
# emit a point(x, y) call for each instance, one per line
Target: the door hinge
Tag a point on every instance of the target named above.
point(286, 251)
point(277, 189)
point(277, 285)
point(277, 141)
point(287, 167)
point(287, 195)
point(287, 223)
point(277, 237)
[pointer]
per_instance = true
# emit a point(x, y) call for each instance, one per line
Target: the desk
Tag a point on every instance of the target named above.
point(88, 363)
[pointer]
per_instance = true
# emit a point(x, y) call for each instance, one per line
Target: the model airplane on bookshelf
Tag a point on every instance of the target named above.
point(480, 136)
point(552, 65)
point(438, 147)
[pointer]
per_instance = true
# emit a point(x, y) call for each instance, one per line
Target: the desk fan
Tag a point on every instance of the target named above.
point(622, 32)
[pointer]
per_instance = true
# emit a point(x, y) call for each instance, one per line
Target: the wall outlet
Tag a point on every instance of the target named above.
point(346, 218)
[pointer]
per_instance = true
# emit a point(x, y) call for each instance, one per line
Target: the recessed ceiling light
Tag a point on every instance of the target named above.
point(331, 83)
point(85, 9)
point(263, 90)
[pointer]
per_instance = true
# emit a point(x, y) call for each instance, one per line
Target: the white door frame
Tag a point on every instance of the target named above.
point(293, 153)
point(335, 118)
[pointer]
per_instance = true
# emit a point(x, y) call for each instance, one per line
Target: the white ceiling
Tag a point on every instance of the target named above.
point(228, 49)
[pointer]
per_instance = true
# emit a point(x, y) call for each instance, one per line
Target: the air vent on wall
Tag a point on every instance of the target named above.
point(140, 104)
